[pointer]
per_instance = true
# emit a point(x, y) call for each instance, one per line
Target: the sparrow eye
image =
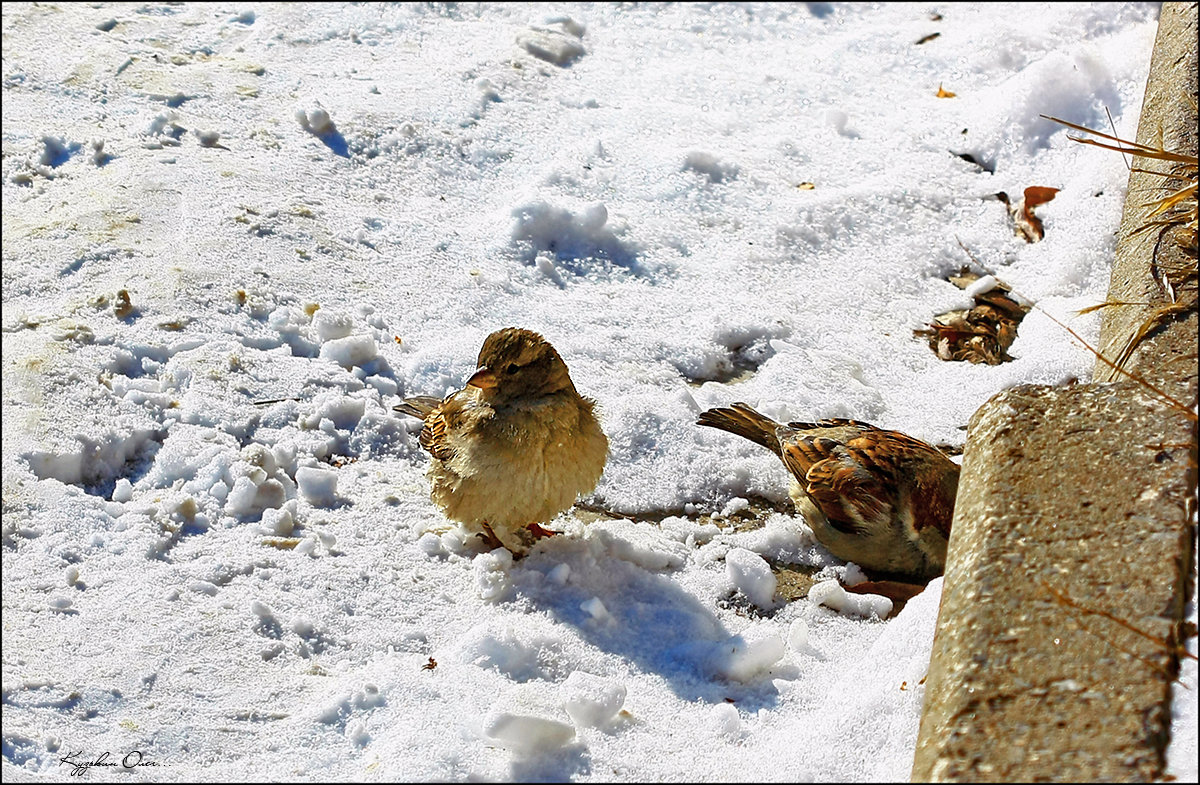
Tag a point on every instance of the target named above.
point(511, 369)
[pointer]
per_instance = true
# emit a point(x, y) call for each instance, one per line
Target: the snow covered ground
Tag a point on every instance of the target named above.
point(236, 235)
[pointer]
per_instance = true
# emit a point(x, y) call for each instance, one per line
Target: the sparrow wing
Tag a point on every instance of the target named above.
point(836, 422)
point(929, 477)
point(840, 482)
point(435, 435)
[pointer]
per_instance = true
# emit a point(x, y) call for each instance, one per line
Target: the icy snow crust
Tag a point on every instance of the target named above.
point(235, 236)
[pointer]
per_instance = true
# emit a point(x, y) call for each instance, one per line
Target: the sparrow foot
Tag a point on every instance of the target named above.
point(540, 532)
point(489, 536)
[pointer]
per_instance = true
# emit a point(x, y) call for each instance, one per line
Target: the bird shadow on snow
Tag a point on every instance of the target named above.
point(647, 618)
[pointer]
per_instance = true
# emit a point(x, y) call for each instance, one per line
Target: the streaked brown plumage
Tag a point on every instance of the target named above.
point(880, 499)
point(516, 445)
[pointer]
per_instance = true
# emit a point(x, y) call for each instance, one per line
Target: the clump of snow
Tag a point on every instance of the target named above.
point(99, 157)
point(591, 701)
point(831, 594)
point(258, 483)
point(333, 412)
point(707, 164)
point(724, 720)
point(746, 656)
point(690, 533)
point(262, 611)
point(55, 151)
point(492, 582)
point(123, 490)
point(557, 42)
point(559, 574)
point(96, 458)
point(570, 236)
point(797, 636)
point(281, 521)
point(527, 735)
point(164, 131)
point(853, 575)
point(208, 138)
point(317, 486)
point(520, 654)
point(734, 506)
point(356, 733)
point(594, 607)
point(204, 587)
point(61, 604)
point(751, 575)
point(545, 265)
point(316, 121)
point(350, 352)
point(839, 120)
point(331, 325)
point(431, 545)
point(981, 285)
point(641, 544)
point(339, 709)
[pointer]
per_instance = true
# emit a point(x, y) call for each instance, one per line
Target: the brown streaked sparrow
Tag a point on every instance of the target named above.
point(880, 499)
point(516, 446)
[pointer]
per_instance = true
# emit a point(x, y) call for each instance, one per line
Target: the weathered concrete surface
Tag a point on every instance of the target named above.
point(1145, 257)
point(1066, 493)
point(1074, 519)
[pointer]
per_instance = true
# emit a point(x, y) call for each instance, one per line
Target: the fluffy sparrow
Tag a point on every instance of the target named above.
point(516, 446)
point(877, 498)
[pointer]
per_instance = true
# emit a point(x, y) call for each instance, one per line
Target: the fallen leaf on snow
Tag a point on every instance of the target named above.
point(1025, 224)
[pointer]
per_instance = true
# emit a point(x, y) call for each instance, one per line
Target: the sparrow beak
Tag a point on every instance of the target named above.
point(484, 379)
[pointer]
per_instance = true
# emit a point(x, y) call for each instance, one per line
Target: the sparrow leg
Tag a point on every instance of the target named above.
point(540, 532)
point(489, 536)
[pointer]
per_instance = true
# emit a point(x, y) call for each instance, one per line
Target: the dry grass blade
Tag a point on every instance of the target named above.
point(1140, 150)
point(1189, 188)
point(1191, 164)
point(1176, 210)
point(1133, 148)
point(1177, 200)
point(1160, 316)
point(1105, 304)
point(1118, 366)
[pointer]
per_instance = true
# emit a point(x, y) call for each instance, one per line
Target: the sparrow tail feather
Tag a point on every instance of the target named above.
point(745, 422)
point(420, 406)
